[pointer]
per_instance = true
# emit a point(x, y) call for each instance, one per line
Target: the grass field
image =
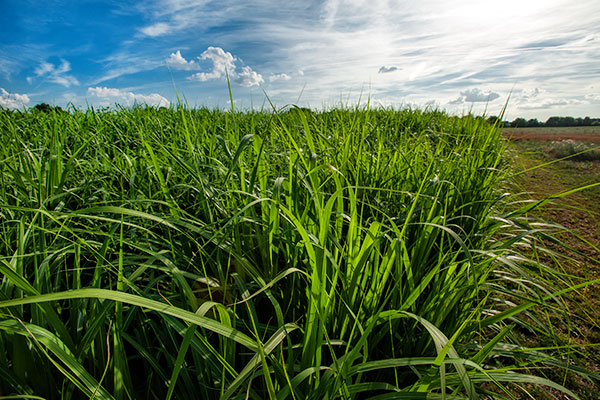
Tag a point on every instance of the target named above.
point(178, 253)
point(577, 216)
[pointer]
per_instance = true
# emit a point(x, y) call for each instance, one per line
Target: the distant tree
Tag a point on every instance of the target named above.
point(519, 123)
point(43, 107)
point(493, 119)
point(564, 121)
point(303, 110)
point(534, 123)
point(569, 121)
point(46, 108)
point(553, 121)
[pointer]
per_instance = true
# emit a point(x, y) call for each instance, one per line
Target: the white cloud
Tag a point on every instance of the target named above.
point(248, 77)
point(55, 74)
point(112, 95)
point(277, 77)
point(177, 61)
point(157, 29)
point(12, 100)
point(475, 95)
point(384, 69)
point(223, 63)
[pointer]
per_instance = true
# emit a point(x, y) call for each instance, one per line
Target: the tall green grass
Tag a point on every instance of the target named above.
point(195, 253)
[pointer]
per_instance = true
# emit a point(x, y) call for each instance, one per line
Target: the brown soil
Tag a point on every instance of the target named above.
point(553, 136)
point(579, 134)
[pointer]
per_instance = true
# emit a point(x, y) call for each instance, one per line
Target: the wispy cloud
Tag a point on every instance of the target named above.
point(7, 67)
point(177, 16)
point(111, 96)
point(539, 99)
point(12, 100)
point(592, 97)
point(157, 29)
point(55, 74)
point(128, 61)
point(550, 103)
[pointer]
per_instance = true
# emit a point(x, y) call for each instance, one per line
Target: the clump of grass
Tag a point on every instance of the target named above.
point(575, 151)
point(198, 253)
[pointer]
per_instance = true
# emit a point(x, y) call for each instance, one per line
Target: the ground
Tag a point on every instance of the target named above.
point(578, 212)
point(577, 133)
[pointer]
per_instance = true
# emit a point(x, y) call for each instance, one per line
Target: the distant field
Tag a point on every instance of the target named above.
point(577, 133)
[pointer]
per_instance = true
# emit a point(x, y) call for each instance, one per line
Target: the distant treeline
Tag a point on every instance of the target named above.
point(550, 122)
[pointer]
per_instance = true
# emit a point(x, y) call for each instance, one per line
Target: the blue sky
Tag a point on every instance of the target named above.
point(460, 55)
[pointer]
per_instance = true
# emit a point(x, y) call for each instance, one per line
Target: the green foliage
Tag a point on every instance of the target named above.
point(177, 253)
point(519, 123)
